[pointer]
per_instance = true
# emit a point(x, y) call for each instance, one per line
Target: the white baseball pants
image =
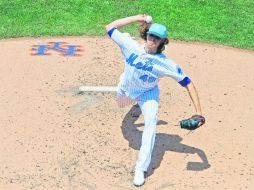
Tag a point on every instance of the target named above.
point(148, 102)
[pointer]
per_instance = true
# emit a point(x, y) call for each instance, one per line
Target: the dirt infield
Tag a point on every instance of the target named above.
point(54, 138)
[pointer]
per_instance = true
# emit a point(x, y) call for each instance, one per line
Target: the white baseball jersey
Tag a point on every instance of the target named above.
point(142, 70)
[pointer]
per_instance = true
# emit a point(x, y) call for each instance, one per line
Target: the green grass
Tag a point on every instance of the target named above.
point(229, 22)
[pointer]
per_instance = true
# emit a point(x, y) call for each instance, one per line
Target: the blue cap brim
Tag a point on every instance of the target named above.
point(156, 34)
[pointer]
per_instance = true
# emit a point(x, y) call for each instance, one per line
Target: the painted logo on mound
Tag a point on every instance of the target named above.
point(62, 47)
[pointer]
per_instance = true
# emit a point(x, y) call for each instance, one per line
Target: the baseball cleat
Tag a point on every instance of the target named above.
point(139, 178)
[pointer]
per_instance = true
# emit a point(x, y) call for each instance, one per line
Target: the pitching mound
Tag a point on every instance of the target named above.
point(54, 137)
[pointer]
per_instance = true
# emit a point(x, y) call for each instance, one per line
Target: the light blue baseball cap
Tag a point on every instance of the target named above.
point(158, 30)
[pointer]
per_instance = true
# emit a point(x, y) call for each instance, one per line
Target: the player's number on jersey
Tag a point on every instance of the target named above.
point(146, 78)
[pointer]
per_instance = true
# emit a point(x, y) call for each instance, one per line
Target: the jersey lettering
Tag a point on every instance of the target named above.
point(147, 66)
point(146, 78)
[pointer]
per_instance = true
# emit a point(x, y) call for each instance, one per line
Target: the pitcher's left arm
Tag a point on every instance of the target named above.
point(194, 97)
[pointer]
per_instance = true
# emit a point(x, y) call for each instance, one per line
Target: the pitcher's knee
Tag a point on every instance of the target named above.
point(123, 101)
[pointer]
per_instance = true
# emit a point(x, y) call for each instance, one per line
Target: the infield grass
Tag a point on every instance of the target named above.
point(229, 22)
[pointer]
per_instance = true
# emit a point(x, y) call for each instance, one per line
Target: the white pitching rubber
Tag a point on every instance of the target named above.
point(97, 88)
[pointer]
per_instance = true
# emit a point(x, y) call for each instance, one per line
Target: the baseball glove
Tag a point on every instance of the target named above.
point(192, 123)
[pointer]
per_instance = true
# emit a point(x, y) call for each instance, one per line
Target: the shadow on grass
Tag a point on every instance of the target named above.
point(163, 143)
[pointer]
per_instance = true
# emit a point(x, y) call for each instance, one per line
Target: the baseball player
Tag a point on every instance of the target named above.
point(144, 65)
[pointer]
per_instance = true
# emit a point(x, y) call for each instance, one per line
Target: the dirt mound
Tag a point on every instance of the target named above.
point(54, 138)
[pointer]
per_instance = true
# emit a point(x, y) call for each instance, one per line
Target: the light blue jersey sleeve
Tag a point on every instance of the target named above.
point(124, 41)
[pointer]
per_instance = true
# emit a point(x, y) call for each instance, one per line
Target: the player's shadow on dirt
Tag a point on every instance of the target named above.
point(163, 142)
